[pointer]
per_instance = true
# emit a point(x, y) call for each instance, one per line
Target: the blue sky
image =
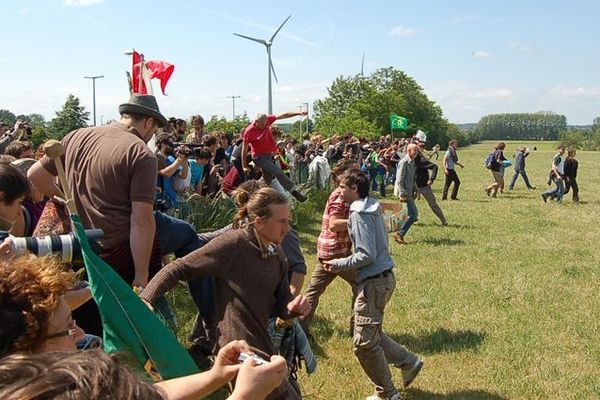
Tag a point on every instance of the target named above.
point(471, 57)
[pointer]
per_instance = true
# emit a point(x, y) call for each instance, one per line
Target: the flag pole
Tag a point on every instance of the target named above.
point(141, 78)
point(129, 83)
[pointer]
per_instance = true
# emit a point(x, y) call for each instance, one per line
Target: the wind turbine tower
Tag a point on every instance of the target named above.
point(268, 44)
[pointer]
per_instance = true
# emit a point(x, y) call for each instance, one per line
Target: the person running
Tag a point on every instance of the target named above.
point(424, 182)
point(407, 189)
point(375, 286)
point(450, 162)
point(556, 175)
point(494, 163)
point(520, 156)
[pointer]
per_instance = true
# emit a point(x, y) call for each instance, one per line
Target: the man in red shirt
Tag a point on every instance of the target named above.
point(259, 138)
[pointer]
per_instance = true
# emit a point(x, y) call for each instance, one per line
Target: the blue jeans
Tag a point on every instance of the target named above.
point(558, 192)
point(413, 214)
point(179, 237)
point(516, 175)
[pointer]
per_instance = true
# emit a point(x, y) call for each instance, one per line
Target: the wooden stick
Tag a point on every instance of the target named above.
point(54, 150)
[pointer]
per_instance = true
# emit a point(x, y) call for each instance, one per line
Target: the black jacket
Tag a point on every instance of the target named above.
point(423, 165)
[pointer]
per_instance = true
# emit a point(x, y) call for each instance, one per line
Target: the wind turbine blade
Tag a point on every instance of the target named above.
point(362, 65)
point(273, 70)
point(278, 29)
point(261, 41)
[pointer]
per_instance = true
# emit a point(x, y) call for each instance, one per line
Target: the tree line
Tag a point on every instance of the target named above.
point(544, 125)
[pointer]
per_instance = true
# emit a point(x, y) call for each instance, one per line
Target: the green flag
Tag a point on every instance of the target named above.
point(398, 122)
point(129, 325)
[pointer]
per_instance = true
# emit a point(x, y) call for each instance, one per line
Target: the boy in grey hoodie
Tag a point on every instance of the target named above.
point(375, 285)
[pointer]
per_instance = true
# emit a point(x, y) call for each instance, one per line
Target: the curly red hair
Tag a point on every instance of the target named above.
point(30, 289)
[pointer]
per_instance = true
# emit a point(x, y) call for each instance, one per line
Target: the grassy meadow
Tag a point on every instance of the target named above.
point(504, 303)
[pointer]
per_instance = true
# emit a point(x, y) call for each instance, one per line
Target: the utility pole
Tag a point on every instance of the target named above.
point(233, 101)
point(93, 78)
point(306, 104)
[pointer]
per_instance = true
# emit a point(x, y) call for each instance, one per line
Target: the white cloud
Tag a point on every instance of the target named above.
point(464, 18)
point(501, 93)
point(403, 31)
point(480, 54)
point(521, 47)
point(24, 11)
point(78, 3)
point(575, 92)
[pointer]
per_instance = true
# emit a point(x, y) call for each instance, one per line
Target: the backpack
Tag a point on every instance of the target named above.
point(490, 161)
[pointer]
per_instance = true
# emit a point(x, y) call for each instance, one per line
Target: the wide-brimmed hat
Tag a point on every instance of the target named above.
point(144, 104)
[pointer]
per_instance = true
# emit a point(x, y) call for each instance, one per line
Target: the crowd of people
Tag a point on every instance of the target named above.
point(136, 180)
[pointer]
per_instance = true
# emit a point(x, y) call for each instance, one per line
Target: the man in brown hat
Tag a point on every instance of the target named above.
point(113, 176)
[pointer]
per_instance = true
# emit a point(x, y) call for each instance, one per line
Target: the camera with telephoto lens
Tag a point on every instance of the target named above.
point(183, 150)
point(67, 246)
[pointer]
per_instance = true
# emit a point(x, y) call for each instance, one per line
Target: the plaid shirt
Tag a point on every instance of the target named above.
point(331, 245)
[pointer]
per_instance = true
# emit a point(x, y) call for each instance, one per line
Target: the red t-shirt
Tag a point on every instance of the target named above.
point(261, 141)
point(230, 181)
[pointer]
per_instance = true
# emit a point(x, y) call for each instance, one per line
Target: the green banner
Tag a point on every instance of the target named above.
point(397, 122)
point(129, 325)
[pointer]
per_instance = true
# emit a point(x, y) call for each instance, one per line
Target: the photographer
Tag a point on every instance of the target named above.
point(170, 165)
point(182, 184)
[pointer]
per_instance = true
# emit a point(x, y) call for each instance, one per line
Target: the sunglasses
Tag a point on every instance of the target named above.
point(71, 331)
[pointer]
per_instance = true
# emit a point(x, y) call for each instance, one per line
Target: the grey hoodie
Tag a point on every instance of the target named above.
point(370, 239)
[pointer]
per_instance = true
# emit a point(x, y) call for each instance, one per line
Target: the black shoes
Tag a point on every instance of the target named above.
point(299, 196)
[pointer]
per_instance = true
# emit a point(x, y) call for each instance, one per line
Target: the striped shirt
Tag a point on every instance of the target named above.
point(331, 245)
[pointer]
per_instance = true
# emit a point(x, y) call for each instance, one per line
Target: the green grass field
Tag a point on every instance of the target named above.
point(502, 304)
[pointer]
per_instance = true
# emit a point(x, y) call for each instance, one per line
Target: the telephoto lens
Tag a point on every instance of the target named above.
point(67, 246)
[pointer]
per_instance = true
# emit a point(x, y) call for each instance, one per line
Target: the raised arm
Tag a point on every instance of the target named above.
point(290, 114)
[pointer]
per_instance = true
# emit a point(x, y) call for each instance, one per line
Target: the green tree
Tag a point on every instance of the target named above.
point(38, 129)
point(72, 116)
point(298, 128)
point(596, 125)
point(221, 124)
point(8, 117)
point(363, 105)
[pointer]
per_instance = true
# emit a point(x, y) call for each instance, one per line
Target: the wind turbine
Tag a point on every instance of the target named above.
point(268, 44)
point(362, 66)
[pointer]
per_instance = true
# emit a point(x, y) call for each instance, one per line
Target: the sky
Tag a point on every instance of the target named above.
point(473, 58)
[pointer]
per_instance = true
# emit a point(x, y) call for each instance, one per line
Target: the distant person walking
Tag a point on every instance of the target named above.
point(520, 156)
point(556, 175)
point(494, 163)
point(450, 163)
point(571, 166)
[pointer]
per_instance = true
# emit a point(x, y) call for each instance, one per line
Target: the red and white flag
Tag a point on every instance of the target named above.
point(144, 71)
